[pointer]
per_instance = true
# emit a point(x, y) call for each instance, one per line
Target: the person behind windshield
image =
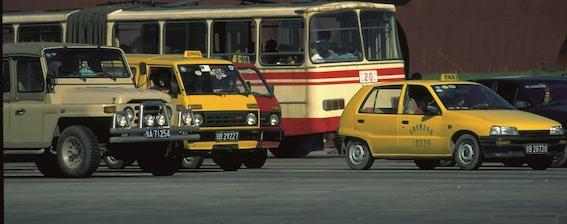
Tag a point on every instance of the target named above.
point(315, 57)
point(162, 80)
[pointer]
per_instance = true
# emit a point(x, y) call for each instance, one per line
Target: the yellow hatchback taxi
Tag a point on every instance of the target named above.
point(432, 120)
point(222, 103)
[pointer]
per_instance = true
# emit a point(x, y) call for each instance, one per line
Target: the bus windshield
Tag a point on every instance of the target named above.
point(86, 63)
point(214, 79)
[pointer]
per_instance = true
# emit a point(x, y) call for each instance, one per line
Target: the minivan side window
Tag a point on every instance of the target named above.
point(382, 100)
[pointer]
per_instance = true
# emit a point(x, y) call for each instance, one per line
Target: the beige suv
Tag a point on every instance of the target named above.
point(67, 104)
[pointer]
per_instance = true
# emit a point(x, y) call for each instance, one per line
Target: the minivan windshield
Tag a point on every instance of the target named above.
point(469, 97)
point(214, 79)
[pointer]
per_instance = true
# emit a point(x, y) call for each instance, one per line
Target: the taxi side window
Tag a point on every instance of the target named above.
point(416, 100)
point(382, 100)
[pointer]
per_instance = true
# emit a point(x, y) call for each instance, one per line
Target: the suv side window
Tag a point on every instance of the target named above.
point(382, 100)
point(30, 78)
point(6, 76)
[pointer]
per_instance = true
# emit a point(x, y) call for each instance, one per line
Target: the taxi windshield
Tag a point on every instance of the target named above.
point(547, 92)
point(258, 85)
point(211, 79)
point(469, 97)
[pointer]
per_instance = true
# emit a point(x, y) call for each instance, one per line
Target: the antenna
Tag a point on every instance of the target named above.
point(450, 61)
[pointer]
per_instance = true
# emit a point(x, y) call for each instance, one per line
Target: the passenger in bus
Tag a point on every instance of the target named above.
point(271, 46)
point(315, 57)
point(332, 52)
point(162, 80)
point(352, 53)
point(147, 41)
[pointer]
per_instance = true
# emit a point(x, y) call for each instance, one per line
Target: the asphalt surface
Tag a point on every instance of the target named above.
point(320, 188)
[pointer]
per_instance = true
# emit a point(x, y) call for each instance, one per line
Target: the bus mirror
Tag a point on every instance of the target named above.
point(142, 68)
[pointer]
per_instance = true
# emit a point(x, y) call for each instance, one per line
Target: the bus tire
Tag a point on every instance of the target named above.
point(78, 152)
point(255, 160)
point(358, 155)
point(192, 162)
point(467, 153)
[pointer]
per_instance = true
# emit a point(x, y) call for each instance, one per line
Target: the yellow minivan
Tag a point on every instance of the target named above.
point(222, 103)
point(432, 120)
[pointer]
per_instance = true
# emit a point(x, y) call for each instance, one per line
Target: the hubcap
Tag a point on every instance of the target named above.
point(72, 152)
point(356, 154)
point(189, 159)
point(466, 153)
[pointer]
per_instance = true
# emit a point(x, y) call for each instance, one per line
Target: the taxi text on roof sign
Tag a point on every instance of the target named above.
point(192, 54)
point(449, 77)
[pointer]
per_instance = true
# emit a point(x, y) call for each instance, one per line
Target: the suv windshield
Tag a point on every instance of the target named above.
point(547, 93)
point(467, 96)
point(86, 63)
point(203, 79)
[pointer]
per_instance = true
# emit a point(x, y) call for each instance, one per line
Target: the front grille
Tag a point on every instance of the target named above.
point(534, 133)
point(225, 119)
point(150, 107)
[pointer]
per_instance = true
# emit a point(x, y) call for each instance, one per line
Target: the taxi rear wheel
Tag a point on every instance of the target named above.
point(358, 155)
point(426, 164)
point(467, 153)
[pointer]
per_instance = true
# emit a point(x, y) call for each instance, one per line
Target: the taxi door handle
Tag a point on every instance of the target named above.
point(360, 121)
point(405, 122)
point(21, 111)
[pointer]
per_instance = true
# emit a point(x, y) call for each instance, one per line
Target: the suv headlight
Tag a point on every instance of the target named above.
point(251, 119)
point(274, 120)
point(161, 120)
point(122, 120)
point(499, 130)
point(149, 120)
point(556, 130)
point(130, 113)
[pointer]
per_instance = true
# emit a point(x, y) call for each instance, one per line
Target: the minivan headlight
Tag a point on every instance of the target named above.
point(556, 130)
point(500, 130)
point(251, 119)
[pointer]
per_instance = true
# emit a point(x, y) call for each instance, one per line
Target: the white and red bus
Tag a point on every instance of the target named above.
point(317, 55)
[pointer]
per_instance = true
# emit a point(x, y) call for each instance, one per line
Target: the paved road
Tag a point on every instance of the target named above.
point(317, 189)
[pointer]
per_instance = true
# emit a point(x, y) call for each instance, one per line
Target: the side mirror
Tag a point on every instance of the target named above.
point(51, 82)
point(142, 68)
point(174, 90)
point(432, 110)
point(521, 104)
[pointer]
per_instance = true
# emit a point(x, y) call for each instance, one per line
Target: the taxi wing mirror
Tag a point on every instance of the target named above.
point(432, 110)
point(174, 90)
point(521, 104)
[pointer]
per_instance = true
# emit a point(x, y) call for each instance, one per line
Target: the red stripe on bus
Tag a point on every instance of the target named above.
point(333, 74)
point(304, 126)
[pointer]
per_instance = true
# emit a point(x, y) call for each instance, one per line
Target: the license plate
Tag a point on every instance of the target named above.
point(226, 136)
point(158, 133)
point(536, 148)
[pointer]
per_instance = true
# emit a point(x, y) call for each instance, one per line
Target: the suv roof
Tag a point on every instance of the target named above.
point(35, 48)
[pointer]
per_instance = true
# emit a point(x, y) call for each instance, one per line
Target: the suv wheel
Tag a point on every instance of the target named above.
point(78, 152)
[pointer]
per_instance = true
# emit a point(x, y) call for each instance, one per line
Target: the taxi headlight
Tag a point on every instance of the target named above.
point(130, 113)
point(198, 119)
point(161, 120)
point(149, 120)
point(274, 120)
point(251, 119)
point(556, 130)
point(186, 117)
point(122, 120)
point(500, 130)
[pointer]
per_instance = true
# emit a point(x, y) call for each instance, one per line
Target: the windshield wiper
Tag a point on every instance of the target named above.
point(102, 72)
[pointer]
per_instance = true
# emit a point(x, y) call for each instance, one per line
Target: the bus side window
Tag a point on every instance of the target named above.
point(282, 40)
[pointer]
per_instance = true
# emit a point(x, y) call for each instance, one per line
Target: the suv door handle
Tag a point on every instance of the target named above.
point(360, 121)
point(21, 111)
point(405, 122)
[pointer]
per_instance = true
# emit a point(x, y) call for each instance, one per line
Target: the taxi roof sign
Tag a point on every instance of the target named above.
point(192, 54)
point(449, 77)
point(244, 59)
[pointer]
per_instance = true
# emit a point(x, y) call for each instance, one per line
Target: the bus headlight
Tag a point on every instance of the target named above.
point(251, 119)
point(161, 120)
point(556, 130)
point(499, 130)
point(198, 119)
point(149, 120)
point(274, 120)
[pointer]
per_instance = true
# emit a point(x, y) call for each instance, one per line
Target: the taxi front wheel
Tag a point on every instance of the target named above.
point(467, 153)
point(358, 155)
